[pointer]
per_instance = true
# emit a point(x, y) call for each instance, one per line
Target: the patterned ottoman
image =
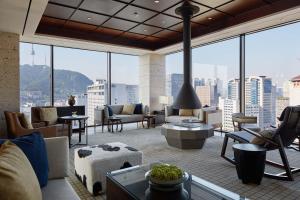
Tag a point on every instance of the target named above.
point(93, 162)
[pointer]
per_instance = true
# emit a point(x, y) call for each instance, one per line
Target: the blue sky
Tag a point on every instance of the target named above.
point(274, 53)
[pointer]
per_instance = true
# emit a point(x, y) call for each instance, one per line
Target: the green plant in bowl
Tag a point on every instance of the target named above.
point(166, 174)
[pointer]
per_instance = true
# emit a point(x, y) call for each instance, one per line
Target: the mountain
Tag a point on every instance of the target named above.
point(37, 78)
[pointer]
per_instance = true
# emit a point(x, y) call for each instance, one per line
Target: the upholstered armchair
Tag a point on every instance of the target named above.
point(16, 127)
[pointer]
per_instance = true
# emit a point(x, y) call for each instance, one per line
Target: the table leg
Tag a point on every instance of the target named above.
point(69, 132)
point(121, 127)
point(79, 121)
point(143, 122)
point(148, 122)
point(112, 127)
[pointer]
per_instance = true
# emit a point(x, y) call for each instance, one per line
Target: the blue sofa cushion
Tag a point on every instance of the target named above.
point(34, 148)
point(138, 108)
point(110, 111)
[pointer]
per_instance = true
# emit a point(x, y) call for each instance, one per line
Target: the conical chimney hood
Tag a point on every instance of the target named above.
point(187, 97)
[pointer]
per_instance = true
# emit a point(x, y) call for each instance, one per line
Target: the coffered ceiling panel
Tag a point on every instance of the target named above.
point(108, 7)
point(214, 3)
point(135, 14)
point(156, 5)
point(163, 21)
point(58, 11)
point(149, 24)
point(73, 3)
point(146, 30)
point(119, 24)
point(89, 18)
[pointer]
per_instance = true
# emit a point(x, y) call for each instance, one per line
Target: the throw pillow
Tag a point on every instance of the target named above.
point(128, 109)
point(34, 148)
point(138, 108)
point(110, 111)
point(24, 120)
point(267, 133)
point(49, 115)
point(185, 112)
point(17, 178)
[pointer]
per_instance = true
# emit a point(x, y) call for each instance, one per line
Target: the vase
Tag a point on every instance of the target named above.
point(71, 101)
point(172, 192)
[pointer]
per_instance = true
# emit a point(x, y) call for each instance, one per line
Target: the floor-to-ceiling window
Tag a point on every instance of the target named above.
point(216, 77)
point(124, 79)
point(35, 76)
point(272, 67)
point(81, 73)
point(174, 74)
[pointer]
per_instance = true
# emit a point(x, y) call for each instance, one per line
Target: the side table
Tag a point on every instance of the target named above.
point(150, 120)
point(250, 162)
point(114, 121)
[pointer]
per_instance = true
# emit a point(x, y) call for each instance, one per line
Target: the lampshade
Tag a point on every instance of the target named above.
point(166, 100)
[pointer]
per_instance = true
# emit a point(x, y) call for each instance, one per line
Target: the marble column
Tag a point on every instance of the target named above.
point(152, 77)
point(9, 76)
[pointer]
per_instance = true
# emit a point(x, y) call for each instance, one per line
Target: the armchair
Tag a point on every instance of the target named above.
point(283, 137)
point(16, 129)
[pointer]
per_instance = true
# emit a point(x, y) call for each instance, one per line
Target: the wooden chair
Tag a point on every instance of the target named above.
point(284, 136)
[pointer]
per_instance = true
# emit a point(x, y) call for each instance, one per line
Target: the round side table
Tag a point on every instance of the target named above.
point(250, 162)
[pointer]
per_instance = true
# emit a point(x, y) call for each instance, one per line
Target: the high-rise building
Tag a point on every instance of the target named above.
point(207, 94)
point(96, 96)
point(281, 103)
point(228, 106)
point(120, 94)
point(199, 82)
point(174, 84)
point(233, 89)
point(294, 91)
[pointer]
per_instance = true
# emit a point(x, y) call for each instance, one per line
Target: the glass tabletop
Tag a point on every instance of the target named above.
point(133, 181)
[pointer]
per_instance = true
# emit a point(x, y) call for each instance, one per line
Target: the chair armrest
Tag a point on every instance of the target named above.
point(168, 111)
point(58, 156)
point(259, 136)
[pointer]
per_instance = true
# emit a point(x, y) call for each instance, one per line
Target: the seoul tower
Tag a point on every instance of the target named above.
point(32, 54)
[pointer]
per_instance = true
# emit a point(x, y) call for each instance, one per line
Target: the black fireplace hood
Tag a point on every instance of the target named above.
point(187, 97)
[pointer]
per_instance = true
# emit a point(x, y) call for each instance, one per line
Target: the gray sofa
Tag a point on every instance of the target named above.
point(101, 115)
point(58, 187)
point(209, 115)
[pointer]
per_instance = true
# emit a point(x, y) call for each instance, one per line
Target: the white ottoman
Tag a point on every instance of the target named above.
point(93, 162)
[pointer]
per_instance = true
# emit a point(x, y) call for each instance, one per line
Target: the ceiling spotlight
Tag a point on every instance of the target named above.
point(136, 14)
point(156, 1)
point(89, 18)
point(209, 18)
point(145, 30)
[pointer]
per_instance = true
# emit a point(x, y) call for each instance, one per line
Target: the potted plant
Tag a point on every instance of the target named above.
point(166, 182)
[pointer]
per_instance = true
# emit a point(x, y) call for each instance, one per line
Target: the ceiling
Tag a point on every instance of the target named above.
point(148, 24)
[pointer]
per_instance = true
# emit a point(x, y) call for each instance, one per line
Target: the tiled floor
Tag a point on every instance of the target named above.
point(205, 163)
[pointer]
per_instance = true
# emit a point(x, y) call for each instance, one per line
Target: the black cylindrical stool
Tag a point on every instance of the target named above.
point(250, 162)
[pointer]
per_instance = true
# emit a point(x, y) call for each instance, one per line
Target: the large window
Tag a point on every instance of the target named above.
point(34, 76)
point(124, 79)
point(174, 74)
point(215, 77)
point(272, 67)
point(83, 74)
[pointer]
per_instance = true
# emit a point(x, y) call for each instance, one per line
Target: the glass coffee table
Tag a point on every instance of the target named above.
point(130, 183)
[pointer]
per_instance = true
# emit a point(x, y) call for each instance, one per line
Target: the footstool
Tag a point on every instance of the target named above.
point(93, 162)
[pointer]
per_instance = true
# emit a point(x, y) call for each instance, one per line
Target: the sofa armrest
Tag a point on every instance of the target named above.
point(213, 117)
point(58, 157)
point(99, 115)
point(168, 111)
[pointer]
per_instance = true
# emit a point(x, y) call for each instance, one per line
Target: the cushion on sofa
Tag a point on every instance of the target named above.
point(267, 133)
point(128, 109)
point(108, 111)
point(33, 146)
point(24, 120)
point(185, 112)
point(17, 178)
point(199, 114)
point(49, 115)
point(59, 189)
point(130, 118)
point(138, 108)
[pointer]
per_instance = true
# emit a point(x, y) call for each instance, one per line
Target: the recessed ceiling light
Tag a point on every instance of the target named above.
point(156, 1)
point(210, 18)
point(163, 22)
point(136, 14)
point(145, 30)
point(89, 18)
